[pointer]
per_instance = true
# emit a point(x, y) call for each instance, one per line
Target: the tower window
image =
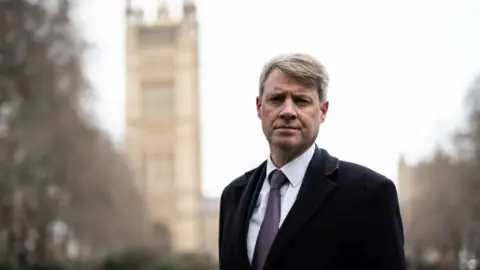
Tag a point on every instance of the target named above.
point(154, 36)
point(160, 171)
point(157, 99)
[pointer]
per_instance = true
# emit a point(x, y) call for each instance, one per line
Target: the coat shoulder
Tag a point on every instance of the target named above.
point(239, 182)
point(356, 174)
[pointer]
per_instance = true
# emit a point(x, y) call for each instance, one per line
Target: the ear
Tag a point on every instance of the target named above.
point(324, 109)
point(258, 102)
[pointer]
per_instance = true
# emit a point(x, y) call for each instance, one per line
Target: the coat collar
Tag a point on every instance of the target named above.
point(317, 184)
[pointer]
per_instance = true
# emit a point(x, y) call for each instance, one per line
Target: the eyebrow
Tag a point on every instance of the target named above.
point(303, 91)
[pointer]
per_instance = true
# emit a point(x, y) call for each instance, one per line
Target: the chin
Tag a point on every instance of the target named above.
point(286, 143)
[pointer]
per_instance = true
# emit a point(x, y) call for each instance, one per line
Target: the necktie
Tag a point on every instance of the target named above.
point(270, 224)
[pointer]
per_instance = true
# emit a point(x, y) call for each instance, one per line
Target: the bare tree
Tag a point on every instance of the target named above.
point(56, 166)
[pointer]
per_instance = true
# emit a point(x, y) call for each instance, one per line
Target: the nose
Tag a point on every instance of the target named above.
point(288, 112)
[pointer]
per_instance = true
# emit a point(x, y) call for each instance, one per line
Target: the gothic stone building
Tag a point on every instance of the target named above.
point(162, 128)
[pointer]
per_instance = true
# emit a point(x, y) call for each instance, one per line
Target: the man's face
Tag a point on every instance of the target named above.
point(291, 112)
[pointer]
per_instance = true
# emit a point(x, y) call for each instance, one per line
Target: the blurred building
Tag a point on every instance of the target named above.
point(408, 193)
point(163, 128)
point(406, 190)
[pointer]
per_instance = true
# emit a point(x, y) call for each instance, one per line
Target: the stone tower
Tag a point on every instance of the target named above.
point(162, 123)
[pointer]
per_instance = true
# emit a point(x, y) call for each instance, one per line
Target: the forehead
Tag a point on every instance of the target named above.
point(279, 81)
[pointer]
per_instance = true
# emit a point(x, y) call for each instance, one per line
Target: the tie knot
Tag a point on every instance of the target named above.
point(277, 179)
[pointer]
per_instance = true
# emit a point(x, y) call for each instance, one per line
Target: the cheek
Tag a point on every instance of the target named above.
point(310, 117)
point(265, 119)
point(267, 115)
point(311, 121)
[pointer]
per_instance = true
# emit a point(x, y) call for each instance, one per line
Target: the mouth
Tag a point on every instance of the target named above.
point(286, 130)
point(286, 127)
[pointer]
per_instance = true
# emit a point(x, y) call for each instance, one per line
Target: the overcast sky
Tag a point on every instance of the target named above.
point(399, 71)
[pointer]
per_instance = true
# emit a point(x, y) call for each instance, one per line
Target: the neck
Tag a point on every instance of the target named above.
point(280, 157)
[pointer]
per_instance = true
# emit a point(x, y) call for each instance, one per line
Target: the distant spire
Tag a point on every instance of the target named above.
point(133, 15)
point(129, 7)
point(189, 10)
point(162, 11)
point(402, 159)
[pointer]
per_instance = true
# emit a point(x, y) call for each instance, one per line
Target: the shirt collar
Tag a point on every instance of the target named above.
point(294, 170)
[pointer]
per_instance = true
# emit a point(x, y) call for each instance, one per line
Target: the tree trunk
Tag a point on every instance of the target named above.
point(44, 252)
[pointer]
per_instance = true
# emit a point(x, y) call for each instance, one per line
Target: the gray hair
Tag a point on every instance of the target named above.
point(303, 67)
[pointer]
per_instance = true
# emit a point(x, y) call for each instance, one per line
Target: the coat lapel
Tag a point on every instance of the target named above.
point(243, 214)
point(315, 188)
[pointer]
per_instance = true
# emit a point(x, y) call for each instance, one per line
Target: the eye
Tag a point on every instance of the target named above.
point(276, 98)
point(302, 101)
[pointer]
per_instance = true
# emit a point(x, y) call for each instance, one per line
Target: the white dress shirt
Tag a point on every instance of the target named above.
point(295, 171)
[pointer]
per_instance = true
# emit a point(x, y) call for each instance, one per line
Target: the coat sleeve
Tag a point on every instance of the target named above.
point(381, 231)
point(224, 248)
point(221, 222)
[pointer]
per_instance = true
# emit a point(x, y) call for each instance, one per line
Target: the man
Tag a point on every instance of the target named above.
point(303, 208)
